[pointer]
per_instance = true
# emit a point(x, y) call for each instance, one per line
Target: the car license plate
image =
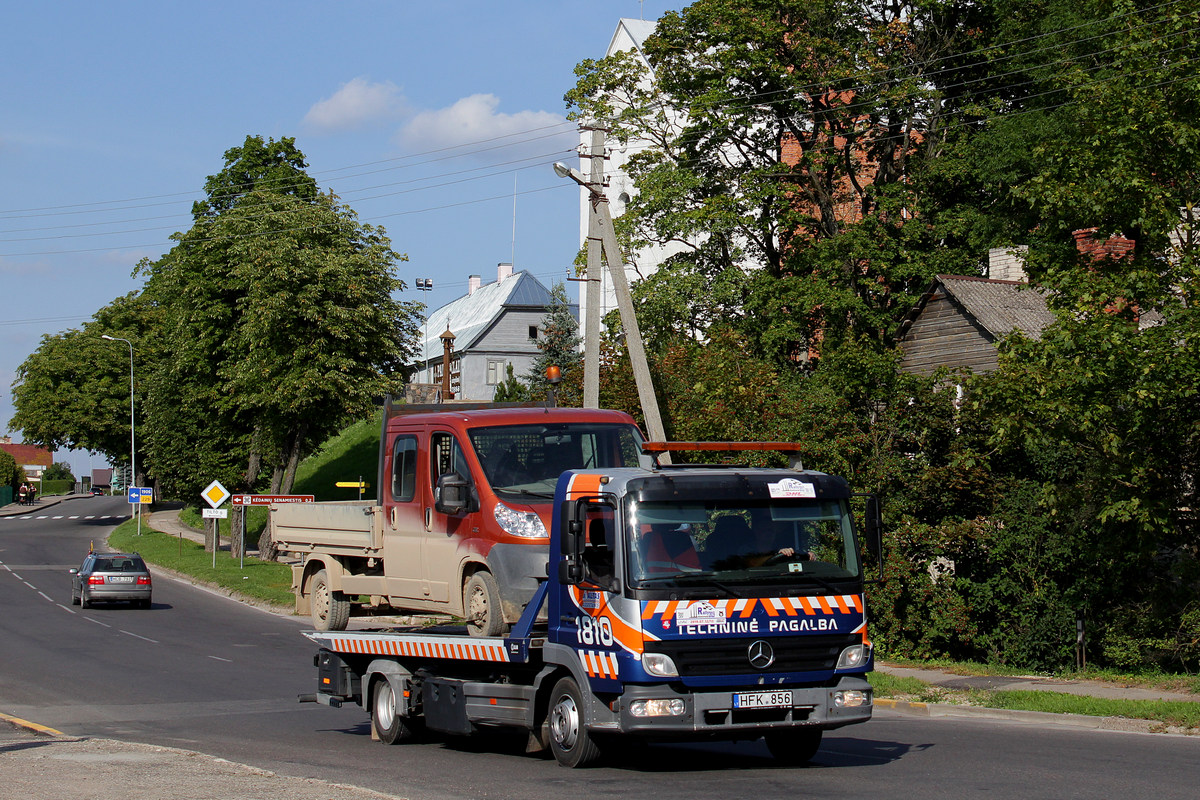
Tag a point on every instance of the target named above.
point(762, 700)
point(120, 579)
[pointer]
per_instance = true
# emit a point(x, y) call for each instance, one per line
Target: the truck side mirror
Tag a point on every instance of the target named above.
point(873, 528)
point(453, 494)
point(570, 568)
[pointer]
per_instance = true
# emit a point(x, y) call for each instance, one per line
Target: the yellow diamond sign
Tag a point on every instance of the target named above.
point(215, 494)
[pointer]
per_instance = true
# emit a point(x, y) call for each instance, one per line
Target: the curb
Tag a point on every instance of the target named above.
point(32, 727)
point(948, 711)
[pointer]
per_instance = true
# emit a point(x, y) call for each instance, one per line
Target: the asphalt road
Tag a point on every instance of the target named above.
point(202, 672)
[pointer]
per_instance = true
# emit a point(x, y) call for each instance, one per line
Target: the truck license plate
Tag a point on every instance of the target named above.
point(762, 700)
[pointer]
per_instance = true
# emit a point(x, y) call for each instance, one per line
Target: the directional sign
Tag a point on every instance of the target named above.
point(141, 494)
point(215, 494)
point(271, 499)
point(352, 484)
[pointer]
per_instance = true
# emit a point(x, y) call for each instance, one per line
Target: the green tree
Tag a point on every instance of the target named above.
point(58, 471)
point(11, 473)
point(510, 390)
point(558, 345)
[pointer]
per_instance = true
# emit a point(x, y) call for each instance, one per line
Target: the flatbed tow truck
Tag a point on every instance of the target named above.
point(680, 603)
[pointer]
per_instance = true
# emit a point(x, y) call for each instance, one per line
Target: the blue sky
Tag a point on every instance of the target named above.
point(425, 117)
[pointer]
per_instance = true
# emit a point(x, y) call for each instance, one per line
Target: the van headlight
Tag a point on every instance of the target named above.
point(525, 524)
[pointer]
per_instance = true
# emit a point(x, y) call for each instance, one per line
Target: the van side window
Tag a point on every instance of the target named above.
point(445, 455)
point(404, 469)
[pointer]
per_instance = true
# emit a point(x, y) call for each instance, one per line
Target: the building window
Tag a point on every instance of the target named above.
point(533, 333)
point(495, 371)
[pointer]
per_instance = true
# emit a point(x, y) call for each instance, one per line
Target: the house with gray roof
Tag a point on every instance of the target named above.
point(960, 318)
point(493, 325)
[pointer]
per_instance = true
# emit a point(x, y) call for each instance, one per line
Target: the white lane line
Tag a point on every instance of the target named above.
point(98, 622)
point(48, 597)
point(74, 516)
point(65, 608)
point(143, 638)
point(30, 585)
point(218, 658)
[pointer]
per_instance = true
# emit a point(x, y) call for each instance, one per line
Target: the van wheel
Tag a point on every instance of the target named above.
point(481, 606)
point(570, 741)
point(330, 609)
point(390, 726)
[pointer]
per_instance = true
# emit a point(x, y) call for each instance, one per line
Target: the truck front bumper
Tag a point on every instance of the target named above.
point(713, 713)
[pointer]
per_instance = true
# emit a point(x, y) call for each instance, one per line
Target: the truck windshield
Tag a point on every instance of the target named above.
point(798, 541)
point(527, 459)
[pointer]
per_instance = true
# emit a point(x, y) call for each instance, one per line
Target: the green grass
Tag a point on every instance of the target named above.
point(259, 580)
point(349, 456)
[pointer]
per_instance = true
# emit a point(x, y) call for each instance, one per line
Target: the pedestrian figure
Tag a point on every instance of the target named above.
point(22, 493)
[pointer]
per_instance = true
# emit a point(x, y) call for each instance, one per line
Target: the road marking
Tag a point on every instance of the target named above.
point(143, 638)
point(218, 658)
point(30, 585)
point(43, 594)
point(98, 622)
point(76, 516)
point(65, 608)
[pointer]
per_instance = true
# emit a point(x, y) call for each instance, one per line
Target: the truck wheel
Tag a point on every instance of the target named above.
point(794, 747)
point(330, 609)
point(570, 742)
point(481, 606)
point(390, 727)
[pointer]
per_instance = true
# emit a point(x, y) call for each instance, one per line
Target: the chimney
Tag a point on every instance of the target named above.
point(503, 270)
point(473, 283)
point(1007, 263)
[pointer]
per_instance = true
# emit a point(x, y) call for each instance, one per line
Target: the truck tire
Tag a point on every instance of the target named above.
point(481, 606)
point(330, 609)
point(389, 725)
point(795, 747)
point(570, 741)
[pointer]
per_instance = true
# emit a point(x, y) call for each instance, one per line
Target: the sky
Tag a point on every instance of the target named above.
point(437, 120)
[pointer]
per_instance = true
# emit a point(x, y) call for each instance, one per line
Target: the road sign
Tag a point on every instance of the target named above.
point(352, 484)
point(271, 499)
point(141, 494)
point(214, 513)
point(215, 494)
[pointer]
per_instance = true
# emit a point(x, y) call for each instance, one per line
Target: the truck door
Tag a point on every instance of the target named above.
point(446, 532)
point(404, 528)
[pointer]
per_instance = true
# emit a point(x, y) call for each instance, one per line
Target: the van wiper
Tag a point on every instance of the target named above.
point(527, 493)
point(705, 577)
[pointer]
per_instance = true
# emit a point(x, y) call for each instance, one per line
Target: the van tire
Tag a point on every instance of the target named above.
point(330, 609)
point(481, 606)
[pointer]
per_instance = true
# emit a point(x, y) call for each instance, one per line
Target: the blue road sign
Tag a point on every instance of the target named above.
point(141, 494)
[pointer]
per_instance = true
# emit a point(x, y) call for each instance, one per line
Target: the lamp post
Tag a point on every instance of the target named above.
point(426, 285)
point(132, 440)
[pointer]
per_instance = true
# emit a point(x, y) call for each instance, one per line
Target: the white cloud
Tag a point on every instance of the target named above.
point(475, 119)
point(354, 105)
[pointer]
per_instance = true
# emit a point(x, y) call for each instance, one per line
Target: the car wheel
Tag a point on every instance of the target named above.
point(84, 600)
point(74, 597)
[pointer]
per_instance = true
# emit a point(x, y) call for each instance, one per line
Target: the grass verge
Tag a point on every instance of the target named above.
point(266, 581)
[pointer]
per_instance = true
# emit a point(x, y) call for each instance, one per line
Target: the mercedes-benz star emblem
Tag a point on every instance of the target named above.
point(761, 655)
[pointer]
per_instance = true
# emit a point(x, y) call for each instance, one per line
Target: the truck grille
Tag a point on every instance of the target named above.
point(731, 656)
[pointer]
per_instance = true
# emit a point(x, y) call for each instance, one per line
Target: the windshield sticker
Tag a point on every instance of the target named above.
point(790, 487)
point(753, 616)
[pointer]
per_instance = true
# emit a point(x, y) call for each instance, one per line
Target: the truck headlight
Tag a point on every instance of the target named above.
point(659, 665)
point(525, 524)
point(673, 707)
point(853, 656)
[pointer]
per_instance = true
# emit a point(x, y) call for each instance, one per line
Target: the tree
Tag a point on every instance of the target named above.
point(510, 390)
point(558, 345)
point(11, 473)
point(58, 471)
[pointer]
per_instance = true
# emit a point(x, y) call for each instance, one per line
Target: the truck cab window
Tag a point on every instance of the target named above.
point(404, 468)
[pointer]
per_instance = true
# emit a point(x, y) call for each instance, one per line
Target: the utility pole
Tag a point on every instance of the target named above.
point(600, 223)
point(595, 291)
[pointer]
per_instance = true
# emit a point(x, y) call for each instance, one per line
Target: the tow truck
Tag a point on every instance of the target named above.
point(680, 602)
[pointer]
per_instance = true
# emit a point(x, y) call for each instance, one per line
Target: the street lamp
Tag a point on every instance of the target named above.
point(426, 285)
point(132, 440)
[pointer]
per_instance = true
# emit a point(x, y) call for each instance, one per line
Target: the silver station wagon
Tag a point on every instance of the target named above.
point(111, 576)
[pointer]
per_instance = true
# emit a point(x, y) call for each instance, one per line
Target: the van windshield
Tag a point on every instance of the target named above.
point(527, 459)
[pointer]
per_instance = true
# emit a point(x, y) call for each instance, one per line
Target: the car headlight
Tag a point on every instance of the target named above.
point(525, 524)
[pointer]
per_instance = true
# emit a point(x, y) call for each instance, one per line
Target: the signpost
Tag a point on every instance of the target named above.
point(140, 496)
point(245, 500)
point(358, 484)
point(215, 494)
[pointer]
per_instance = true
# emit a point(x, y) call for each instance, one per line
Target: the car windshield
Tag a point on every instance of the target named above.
point(527, 459)
point(729, 542)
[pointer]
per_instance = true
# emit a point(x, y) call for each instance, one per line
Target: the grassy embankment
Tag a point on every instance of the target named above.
point(353, 454)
